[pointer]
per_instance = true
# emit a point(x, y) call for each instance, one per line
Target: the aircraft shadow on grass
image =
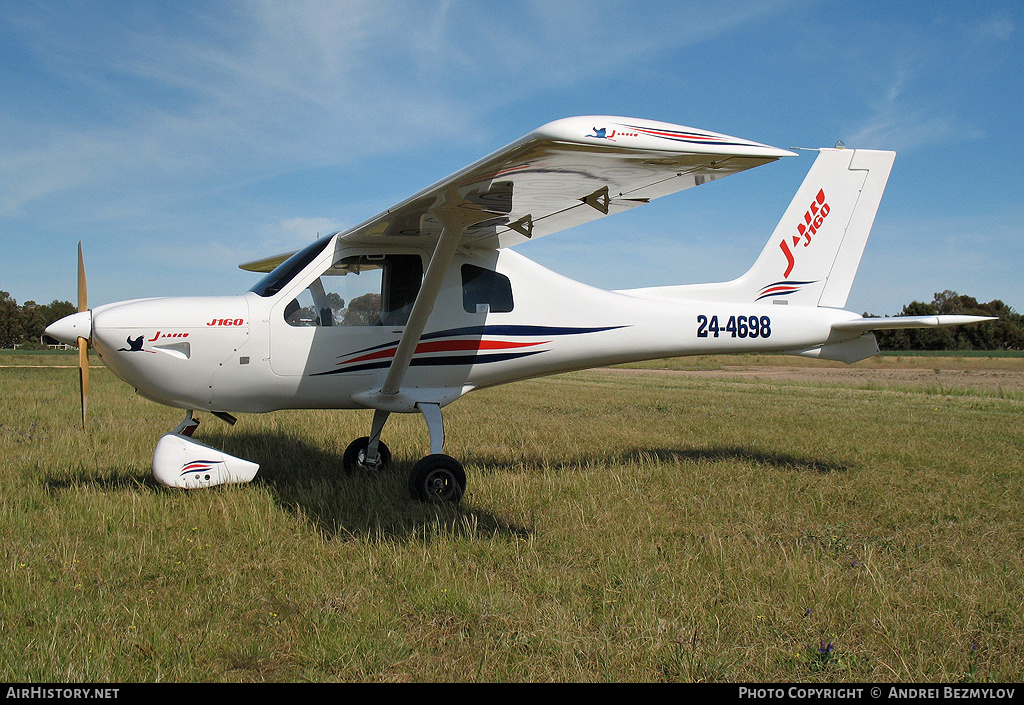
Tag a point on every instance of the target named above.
point(780, 461)
point(308, 479)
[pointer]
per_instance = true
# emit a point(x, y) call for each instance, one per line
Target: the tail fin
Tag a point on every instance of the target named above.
point(813, 255)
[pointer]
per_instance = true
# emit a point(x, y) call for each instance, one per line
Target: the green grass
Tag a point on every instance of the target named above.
point(616, 528)
point(938, 359)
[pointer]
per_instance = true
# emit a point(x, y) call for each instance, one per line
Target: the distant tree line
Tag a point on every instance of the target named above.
point(1007, 333)
point(24, 325)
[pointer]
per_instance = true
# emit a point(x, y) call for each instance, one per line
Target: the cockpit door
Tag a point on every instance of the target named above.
point(344, 322)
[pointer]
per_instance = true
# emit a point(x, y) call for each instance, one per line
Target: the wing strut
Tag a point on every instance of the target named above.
point(455, 216)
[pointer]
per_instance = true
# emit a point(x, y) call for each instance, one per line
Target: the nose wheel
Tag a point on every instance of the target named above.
point(356, 460)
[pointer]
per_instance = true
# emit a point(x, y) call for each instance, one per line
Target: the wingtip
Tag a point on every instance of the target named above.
point(644, 134)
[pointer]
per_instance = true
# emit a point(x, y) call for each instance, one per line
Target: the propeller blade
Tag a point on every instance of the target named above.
point(83, 374)
point(83, 343)
point(83, 299)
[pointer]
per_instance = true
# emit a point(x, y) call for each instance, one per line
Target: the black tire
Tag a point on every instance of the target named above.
point(354, 459)
point(437, 479)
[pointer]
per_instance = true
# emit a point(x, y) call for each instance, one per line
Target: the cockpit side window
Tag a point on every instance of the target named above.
point(360, 290)
point(485, 291)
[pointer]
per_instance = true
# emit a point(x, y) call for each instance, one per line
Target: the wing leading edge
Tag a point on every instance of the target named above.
point(563, 174)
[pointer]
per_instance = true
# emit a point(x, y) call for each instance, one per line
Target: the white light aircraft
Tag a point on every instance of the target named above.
point(425, 302)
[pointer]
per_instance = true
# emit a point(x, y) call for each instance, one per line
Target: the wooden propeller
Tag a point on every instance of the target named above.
point(83, 343)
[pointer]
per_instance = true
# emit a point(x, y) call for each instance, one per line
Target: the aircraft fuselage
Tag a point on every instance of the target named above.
point(240, 354)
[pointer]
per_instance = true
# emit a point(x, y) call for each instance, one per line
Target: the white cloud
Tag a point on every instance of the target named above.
point(212, 96)
point(999, 28)
point(297, 232)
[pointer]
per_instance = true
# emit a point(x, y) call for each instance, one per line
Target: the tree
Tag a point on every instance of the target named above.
point(24, 325)
point(362, 310)
point(10, 321)
point(33, 321)
point(1006, 333)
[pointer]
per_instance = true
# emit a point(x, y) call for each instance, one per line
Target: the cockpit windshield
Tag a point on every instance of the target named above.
point(284, 272)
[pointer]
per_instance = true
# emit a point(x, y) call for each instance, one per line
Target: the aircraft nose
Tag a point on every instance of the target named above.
point(70, 328)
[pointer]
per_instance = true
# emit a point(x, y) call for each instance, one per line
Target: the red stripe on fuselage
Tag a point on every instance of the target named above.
point(445, 346)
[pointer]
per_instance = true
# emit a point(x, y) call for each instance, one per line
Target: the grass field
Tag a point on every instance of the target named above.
point(617, 527)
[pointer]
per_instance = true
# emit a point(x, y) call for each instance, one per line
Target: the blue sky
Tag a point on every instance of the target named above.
point(177, 140)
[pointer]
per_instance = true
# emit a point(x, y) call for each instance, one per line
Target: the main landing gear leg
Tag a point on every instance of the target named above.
point(437, 478)
point(369, 453)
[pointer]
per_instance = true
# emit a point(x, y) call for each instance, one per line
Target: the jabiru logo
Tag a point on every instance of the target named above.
point(814, 216)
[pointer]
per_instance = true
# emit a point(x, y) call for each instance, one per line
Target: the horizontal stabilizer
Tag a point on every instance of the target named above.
point(869, 324)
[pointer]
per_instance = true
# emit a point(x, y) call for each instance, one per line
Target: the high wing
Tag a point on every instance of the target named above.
point(563, 174)
point(566, 173)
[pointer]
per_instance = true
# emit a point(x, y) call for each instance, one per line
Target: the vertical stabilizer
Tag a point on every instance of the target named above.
point(813, 255)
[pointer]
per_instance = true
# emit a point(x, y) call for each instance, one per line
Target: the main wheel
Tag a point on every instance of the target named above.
point(437, 479)
point(355, 457)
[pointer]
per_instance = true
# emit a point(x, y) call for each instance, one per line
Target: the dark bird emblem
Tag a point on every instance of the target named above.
point(135, 345)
